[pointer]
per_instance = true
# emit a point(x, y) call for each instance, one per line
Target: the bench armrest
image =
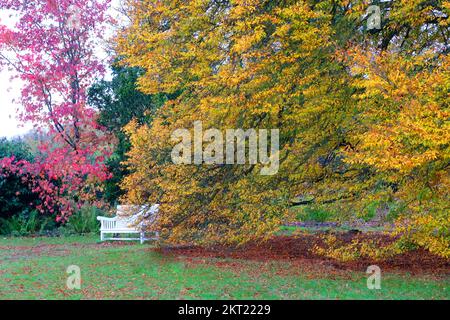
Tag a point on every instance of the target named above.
point(99, 218)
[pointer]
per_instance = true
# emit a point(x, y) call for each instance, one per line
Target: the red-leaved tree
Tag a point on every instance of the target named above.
point(52, 48)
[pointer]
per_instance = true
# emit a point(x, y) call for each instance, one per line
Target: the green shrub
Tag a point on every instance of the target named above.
point(84, 221)
point(314, 214)
point(26, 223)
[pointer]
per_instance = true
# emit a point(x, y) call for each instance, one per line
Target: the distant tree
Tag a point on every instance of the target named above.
point(15, 147)
point(119, 101)
point(15, 194)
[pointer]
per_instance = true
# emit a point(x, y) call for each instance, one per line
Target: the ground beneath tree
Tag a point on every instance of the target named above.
point(35, 268)
point(298, 250)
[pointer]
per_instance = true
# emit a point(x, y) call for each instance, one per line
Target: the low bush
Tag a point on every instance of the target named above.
point(314, 214)
point(84, 221)
point(27, 223)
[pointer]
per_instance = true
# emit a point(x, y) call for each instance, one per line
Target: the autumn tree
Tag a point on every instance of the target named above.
point(52, 50)
point(239, 65)
point(362, 115)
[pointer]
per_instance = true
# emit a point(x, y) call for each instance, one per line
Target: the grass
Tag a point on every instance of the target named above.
point(35, 268)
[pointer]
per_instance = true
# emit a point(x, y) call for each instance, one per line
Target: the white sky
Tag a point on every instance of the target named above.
point(9, 125)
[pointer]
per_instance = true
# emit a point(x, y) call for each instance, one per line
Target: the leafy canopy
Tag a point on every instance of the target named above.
point(363, 116)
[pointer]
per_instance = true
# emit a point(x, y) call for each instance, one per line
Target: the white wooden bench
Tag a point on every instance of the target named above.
point(129, 220)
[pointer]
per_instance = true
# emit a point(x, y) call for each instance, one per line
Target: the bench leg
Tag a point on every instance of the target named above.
point(142, 238)
point(102, 237)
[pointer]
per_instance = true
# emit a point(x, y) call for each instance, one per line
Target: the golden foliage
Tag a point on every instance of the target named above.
point(363, 118)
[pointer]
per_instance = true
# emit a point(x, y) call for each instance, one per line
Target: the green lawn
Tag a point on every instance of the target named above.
point(36, 269)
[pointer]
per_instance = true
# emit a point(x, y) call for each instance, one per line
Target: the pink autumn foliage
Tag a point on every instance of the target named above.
point(56, 61)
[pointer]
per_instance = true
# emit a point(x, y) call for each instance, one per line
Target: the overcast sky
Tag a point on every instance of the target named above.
point(9, 125)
